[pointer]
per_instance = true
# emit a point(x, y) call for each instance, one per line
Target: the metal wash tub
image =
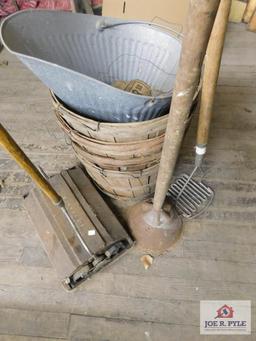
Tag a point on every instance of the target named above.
point(78, 57)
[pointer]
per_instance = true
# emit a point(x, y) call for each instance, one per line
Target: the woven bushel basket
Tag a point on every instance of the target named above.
point(121, 158)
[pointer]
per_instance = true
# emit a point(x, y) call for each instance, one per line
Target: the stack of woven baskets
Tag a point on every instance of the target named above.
point(121, 158)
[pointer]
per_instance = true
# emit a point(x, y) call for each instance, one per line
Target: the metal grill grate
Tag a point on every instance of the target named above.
point(195, 198)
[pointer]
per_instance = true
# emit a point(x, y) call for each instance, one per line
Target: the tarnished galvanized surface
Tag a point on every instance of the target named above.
point(190, 197)
point(79, 56)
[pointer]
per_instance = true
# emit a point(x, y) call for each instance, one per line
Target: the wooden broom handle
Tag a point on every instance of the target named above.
point(211, 71)
point(8, 143)
point(200, 21)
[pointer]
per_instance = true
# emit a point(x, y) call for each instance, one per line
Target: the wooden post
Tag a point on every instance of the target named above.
point(250, 9)
point(8, 143)
point(73, 6)
point(201, 17)
point(252, 23)
point(211, 73)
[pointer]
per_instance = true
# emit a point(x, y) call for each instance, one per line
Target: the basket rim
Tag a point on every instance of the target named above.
point(74, 133)
point(57, 103)
point(145, 159)
point(134, 174)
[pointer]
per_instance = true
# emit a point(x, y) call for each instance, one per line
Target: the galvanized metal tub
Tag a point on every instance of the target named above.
point(79, 56)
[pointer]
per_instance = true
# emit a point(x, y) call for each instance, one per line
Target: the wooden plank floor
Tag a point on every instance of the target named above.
point(214, 259)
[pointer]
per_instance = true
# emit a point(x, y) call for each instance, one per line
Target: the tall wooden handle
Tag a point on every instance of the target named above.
point(8, 143)
point(211, 72)
point(250, 9)
point(73, 6)
point(252, 23)
point(199, 25)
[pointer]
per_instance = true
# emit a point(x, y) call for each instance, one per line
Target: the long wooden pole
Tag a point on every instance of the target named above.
point(8, 143)
point(250, 9)
point(210, 77)
point(201, 17)
point(252, 23)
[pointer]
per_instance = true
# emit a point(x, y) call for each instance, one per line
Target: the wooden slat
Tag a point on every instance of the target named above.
point(190, 268)
point(252, 23)
point(50, 163)
point(33, 323)
point(250, 9)
point(232, 55)
point(181, 268)
point(43, 296)
point(27, 338)
point(220, 251)
point(223, 232)
point(32, 256)
point(94, 329)
point(111, 307)
point(238, 41)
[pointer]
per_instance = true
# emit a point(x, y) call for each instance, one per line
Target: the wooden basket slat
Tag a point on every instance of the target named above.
point(111, 132)
point(121, 158)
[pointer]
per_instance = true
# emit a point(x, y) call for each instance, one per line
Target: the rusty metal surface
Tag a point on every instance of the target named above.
point(50, 225)
point(58, 238)
point(149, 235)
point(99, 206)
point(100, 228)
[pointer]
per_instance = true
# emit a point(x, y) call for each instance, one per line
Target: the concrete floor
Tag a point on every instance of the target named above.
point(214, 259)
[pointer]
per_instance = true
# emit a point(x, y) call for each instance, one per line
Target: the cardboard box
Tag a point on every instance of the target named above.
point(237, 11)
point(171, 13)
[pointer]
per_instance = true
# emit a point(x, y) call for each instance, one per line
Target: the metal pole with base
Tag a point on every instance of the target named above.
point(155, 225)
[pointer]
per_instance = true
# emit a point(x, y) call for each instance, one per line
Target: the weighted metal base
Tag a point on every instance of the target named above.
point(150, 234)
